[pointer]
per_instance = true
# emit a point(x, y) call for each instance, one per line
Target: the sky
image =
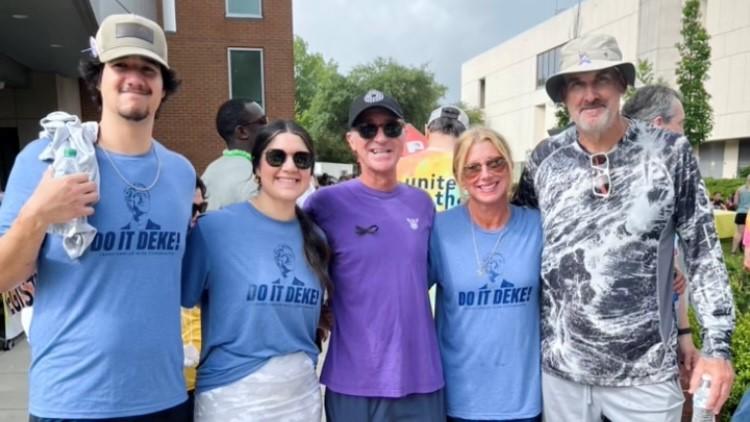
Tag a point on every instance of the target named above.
point(439, 33)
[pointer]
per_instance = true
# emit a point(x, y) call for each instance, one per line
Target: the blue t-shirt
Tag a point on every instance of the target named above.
point(259, 297)
point(105, 338)
point(488, 325)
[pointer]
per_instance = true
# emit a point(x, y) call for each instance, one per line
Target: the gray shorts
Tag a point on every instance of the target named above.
point(428, 407)
point(567, 401)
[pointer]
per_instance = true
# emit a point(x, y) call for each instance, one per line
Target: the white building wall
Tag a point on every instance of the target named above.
point(645, 29)
point(512, 100)
point(728, 23)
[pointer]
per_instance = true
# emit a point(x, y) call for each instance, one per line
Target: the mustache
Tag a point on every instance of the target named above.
point(595, 104)
point(136, 91)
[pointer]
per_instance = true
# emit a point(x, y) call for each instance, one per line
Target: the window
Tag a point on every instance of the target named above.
point(246, 74)
point(244, 8)
point(547, 64)
point(481, 92)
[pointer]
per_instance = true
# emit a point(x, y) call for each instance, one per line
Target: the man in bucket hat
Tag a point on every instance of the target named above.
point(105, 339)
point(383, 362)
point(613, 192)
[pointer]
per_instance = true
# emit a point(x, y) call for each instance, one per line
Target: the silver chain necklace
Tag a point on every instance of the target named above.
point(127, 182)
point(482, 266)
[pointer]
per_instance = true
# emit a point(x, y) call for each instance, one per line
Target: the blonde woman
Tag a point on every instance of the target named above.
point(485, 259)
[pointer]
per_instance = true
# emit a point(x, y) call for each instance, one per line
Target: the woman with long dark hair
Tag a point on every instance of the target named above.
point(259, 271)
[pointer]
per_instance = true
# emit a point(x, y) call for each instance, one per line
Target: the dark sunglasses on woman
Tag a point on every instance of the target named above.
point(303, 160)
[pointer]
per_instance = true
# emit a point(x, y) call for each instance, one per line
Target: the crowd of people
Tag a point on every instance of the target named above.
point(555, 303)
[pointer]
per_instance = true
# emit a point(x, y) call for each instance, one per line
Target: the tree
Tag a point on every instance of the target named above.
point(310, 69)
point(476, 115)
point(321, 102)
point(692, 72)
point(326, 119)
point(562, 116)
point(323, 96)
point(414, 88)
point(644, 75)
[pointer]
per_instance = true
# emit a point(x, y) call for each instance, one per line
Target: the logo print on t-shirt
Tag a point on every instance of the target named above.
point(287, 289)
point(139, 205)
point(493, 265)
point(283, 256)
point(496, 291)
point(413, 223)
point(140, 235)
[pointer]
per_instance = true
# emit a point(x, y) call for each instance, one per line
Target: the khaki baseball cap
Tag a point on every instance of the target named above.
point(131, 35)
point(586, 54)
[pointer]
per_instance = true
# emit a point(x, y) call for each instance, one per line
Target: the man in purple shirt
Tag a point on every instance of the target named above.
point(383, 362)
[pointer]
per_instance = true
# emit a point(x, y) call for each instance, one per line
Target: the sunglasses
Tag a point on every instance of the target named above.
point(494, 165)
point(392, 129)
point(601, 182)
point(200, 208)
point(303, 160)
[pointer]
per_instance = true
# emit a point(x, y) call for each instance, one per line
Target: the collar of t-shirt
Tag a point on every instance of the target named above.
point(238, 153)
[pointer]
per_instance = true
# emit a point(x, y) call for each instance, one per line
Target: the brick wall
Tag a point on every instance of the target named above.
point(198, 53)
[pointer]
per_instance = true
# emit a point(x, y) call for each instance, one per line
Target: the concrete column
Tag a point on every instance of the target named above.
point(731, 158)
point(68, 95)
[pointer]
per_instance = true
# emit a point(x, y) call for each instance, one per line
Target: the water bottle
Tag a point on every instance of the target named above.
point(700, 398)
point(69, 164)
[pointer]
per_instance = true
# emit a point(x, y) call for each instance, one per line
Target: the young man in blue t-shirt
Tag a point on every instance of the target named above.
point(105, 340)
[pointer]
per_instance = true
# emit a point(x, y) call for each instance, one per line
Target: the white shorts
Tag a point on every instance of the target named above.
point(568, 401)
point(286, 388)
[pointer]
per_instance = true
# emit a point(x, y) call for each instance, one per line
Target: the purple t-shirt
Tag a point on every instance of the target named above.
point(383, 342)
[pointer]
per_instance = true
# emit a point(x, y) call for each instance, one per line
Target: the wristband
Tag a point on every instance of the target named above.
point(684, 331)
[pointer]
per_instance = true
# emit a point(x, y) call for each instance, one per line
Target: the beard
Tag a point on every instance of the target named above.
point(598, 126)
point(134, 115)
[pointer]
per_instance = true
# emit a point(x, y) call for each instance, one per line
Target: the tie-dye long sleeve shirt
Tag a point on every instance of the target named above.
point(607, 316)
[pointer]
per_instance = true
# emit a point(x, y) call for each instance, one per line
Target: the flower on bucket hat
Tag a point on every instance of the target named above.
point(586, 54)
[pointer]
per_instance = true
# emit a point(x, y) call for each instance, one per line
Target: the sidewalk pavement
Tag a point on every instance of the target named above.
point(14, 383)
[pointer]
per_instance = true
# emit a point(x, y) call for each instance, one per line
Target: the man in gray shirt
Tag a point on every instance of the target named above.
point(229, 179)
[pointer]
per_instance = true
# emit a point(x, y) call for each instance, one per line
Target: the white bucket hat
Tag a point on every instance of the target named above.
point(586, 54)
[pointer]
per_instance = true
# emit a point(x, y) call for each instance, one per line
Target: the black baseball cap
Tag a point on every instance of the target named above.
point(372, 99)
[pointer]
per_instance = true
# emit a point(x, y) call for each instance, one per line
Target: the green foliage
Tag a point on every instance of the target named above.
point(741, 362)
point(739, 280)
point(414, 88)
point(744, 172)
point(644, 75)
point(561, 115)
point(326, 119)
point(726, 187)
point(692, 72)
point(323, 96)
point(476, 114)
point(310, 70)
